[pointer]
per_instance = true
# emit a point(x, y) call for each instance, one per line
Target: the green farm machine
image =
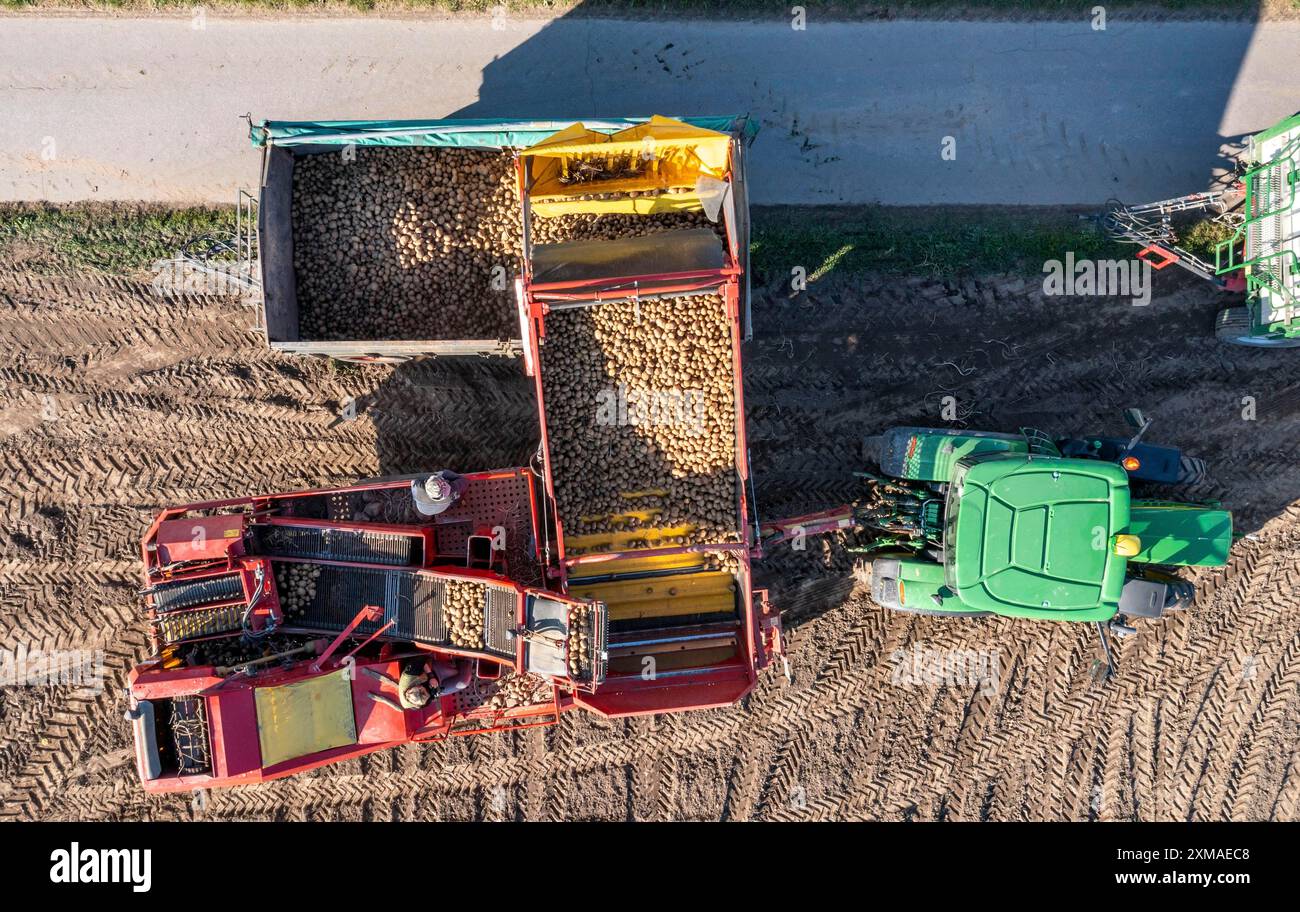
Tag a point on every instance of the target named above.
point(972, 524)
point(1258, 220)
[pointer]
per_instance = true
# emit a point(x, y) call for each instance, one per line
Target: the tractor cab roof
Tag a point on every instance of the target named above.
point(1032, 536)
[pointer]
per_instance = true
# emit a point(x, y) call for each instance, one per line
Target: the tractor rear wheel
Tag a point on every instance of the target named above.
point(1191, 470)
point(1233, 327)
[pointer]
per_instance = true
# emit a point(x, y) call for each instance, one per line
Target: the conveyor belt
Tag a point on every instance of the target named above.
point(427, 623)
point(343, 591)
point(415, 601)
point(190, 593)
point(336, 544)
point(500, 620)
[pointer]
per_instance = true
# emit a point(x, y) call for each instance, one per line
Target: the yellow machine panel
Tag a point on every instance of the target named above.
point(710, 592)
point(639, 539)
point(626, 205)
point(629, 565)
point(305, 717)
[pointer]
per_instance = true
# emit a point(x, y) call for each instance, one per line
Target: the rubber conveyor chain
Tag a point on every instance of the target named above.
point(190, 593)
point(225, 592)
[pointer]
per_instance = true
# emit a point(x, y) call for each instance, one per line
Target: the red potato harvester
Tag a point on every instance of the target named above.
point(295, 630)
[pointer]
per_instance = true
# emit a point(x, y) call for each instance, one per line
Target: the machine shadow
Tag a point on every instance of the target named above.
point(851, 115)
point(463, 414)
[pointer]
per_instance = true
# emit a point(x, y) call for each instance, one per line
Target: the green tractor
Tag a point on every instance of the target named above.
point(972, 524)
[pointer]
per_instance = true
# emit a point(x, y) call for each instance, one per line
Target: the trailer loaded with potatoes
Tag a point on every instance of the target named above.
point(386, 240)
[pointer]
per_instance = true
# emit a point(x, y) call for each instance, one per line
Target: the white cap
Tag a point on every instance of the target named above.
point(433, 495)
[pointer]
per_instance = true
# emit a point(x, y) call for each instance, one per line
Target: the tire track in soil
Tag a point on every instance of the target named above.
point(165, 398)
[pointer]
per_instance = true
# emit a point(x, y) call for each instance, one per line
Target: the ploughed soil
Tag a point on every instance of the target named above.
point(116, 403)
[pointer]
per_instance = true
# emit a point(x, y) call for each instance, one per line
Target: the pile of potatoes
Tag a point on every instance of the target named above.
point(520, 689)
point(464, 610)
point(423, 242)
point(586, 227)
point(406, 243)
point(580, 642)
point(235, 650)
point(727, 561)
point(385, 505)
point(671, 363)
point(296, 586)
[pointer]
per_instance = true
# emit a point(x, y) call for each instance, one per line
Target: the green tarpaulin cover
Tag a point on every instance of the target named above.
point(478, 133)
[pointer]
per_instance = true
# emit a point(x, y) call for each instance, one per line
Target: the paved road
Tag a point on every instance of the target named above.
point(851, 112)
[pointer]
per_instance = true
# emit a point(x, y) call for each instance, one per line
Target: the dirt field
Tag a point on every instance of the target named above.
point(116, 403)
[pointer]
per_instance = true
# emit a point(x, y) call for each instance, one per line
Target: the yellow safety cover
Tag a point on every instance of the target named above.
point(305, 717)
point(674, 155)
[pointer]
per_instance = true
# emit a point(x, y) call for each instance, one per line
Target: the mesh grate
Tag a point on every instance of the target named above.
point(187, 594)
point(429, 624)
point(600, 646)
point(500, 501)
point(336, 544)
point(413, 600)
point(500, 620)
point(340, 593)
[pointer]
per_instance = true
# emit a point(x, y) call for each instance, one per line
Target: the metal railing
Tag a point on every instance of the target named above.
point(1260, 239)
point(229, 259)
